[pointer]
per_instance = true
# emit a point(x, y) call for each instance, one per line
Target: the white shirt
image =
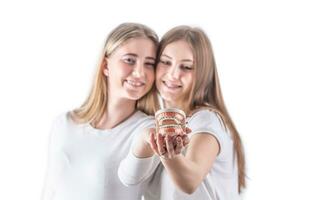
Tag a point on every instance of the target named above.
point(83, 161)
point(221, 183)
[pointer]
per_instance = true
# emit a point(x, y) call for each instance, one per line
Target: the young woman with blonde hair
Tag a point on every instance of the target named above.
point(88, 143)
point(212, 166)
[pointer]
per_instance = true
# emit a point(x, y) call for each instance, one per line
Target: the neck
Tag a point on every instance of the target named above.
point(118, 110)
point(179, 105)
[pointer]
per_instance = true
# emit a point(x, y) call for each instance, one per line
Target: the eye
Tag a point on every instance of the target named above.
point(150, 64)
point(186, 67)
point(165, 62)
point(129, 60)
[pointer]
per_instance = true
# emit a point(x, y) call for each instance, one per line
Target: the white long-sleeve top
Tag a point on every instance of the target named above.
point(83, 161)
point(221, 183)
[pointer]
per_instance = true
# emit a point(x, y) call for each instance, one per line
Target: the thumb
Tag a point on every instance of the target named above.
point(188, 130)
point(151, 132)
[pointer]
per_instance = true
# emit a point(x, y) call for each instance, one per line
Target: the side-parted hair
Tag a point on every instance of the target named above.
point(95, 105)
point(206, 92)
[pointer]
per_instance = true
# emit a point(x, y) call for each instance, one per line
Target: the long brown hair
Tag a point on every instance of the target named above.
point(206, 90)
point(96, 103)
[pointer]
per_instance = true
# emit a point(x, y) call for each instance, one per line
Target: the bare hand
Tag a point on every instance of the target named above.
point(170, 145)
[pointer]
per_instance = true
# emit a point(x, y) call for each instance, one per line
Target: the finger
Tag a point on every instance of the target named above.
point(179, 145)
point(169, 146)
point(174, 141)
point(151, 131)
point(188, 130)
point(160, 143)
point(153, 144)
point(185, 140)
point(179, 131)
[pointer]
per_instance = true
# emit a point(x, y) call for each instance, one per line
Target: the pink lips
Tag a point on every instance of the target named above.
point(171, 85)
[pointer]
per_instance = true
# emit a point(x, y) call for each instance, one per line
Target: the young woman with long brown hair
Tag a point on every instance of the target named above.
point(88, 143)
point(212, 166)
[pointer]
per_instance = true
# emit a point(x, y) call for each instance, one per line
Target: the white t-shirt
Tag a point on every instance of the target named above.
point(83, 161)
point(221, 183)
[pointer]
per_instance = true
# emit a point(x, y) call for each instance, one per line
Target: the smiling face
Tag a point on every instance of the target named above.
point(175, 72)
point(130, 69)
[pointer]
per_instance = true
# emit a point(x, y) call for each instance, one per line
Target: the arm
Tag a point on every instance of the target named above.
point(142, 159)
point(53, 163)
point(187, 172)
point(141, 148)
point(140, 162)
point(48, 185)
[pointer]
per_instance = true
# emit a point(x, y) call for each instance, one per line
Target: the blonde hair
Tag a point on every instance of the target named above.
point(206, 92)
point(95, 105)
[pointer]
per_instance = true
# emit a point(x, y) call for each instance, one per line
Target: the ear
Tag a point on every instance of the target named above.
point(105, 67)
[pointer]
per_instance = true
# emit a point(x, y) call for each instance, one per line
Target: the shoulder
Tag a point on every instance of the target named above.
point(141, 115)
point(211, 123)
point(61, 118)
point(139, 122)
point(58, 127)
point(62, 122)
point(142, 118)
point(206, 118)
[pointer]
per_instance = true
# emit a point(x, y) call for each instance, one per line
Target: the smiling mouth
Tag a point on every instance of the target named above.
point(135, 83)
point(171, 86)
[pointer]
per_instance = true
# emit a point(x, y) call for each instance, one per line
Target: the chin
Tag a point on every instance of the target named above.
point(169, 98)
point(136, 96)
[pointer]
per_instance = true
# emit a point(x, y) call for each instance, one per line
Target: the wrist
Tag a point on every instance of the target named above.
point(175, 158)
point(142, 151)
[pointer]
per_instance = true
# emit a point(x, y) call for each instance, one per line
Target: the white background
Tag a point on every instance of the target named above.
point(269, 60)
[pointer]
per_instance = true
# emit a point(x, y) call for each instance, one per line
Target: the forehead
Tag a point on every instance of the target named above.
point(179, 50)
point(139, 46)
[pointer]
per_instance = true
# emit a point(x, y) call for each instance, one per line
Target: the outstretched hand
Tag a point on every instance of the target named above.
point(170, 145)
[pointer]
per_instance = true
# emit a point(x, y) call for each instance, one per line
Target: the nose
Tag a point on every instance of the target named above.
point(174, 72)
point(138, 70)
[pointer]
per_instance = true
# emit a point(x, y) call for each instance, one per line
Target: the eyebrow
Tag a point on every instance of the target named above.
point(135, 55)
point(166, 56)
point(131, 54)
point(150, 58)
point(183, 60)
point(187, 60)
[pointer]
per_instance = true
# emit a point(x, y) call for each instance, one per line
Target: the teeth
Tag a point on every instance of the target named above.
point(169, 85)
point(135, 83)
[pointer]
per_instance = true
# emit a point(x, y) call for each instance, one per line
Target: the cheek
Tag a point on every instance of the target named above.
point(126, 70)
point(158, 79)
point(150, 76)
point(122, 68)
point(189, 81)
point(159, 74)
